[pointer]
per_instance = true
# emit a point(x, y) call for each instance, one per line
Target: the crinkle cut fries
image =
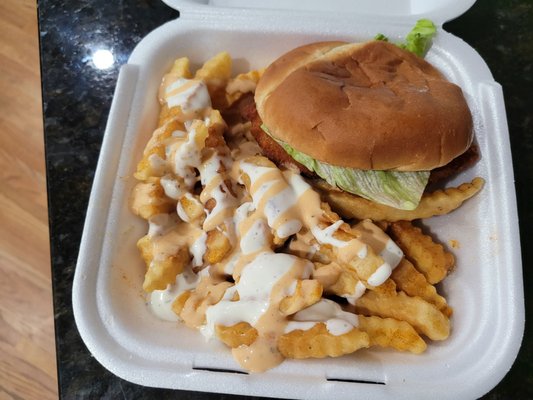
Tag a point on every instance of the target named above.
point(252, 255)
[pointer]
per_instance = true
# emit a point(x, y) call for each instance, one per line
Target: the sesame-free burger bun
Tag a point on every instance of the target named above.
point(365, 105)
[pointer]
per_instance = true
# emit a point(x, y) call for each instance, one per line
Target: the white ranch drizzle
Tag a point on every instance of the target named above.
point(171, 187)
point(338, 322)
point(325, 236)
point(161, 300)
point(282, 203)
point(189, 94)
point(255, 285)
point(198, 249)
point(359, 290)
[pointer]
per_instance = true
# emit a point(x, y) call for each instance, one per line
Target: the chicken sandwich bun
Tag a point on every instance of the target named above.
point(372, 119)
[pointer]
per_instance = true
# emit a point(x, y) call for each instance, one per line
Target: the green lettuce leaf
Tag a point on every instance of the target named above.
point(417, 41)
point(397, 189)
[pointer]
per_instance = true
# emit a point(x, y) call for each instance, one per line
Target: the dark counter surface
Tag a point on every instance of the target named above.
point(77, 97)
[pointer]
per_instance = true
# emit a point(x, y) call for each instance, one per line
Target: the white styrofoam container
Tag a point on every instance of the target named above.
point(485, 290)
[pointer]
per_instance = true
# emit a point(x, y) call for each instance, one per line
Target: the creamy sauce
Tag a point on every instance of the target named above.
point(380, 275)
point(171, 187)
point(185, 155)
point(256, 283)
point(359, 290)
point(380, 242)
point(325, 236)
point(189, 94)
point(157, 164)
point(161, 300)
point(159, 224)
point(198, 249)
point(168, 235)
point(273, 206)
point(338, 322)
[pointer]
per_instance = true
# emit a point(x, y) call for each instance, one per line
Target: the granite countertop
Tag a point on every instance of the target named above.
point(77, 97)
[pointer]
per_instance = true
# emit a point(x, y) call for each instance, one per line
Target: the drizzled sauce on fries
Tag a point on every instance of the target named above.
point(267, 226)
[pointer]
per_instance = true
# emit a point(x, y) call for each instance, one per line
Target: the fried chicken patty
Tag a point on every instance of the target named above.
point(270, 147)
point(276, 153)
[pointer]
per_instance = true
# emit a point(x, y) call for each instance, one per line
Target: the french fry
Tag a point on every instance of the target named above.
point(439, 202)
point(362, 267)
point(423, 316)
point(428, 257)
point(241, 84)
point(216, 127)
point(179, 302)
point(307, 293)
point(217, 68)
point(153, 162)
point(317, 342)
point(167, 115)
point(190, 208)
point(200, 184)
point(149, 199)
point(218, 246)
point(241, 334)
point(181, 68)
point(389, 332)
point(163, 272)
point(216, 73)
point(414, 283)
point(206, 294)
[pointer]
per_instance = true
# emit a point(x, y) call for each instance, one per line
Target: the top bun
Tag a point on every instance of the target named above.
point(364, 105)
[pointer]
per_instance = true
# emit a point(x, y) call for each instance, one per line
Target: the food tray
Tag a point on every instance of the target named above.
point(485, 290)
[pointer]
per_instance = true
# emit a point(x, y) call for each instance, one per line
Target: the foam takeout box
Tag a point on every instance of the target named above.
point(485, 290)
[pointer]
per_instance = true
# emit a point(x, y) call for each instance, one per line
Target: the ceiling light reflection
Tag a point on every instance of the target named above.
point(103, 59)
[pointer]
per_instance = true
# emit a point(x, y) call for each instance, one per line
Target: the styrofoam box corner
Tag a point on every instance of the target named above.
point(485, 290)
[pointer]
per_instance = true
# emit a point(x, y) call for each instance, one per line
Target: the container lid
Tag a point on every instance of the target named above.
point(403, 11)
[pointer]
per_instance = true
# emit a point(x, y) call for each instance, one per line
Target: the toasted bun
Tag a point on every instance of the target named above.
point(365, 105)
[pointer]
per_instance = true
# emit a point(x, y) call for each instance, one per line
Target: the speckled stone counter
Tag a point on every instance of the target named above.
point(77, 97)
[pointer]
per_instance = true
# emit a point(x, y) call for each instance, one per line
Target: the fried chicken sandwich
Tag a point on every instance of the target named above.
point(373, 119)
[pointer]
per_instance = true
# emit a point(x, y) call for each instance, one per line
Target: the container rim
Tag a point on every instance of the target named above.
point(400, 11)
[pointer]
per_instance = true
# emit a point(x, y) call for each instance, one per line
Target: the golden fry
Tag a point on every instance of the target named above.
point(307, 293)
point(241, 84)
point(414, 283)
point(216, 73)
point(389, 332)
point(149, 199)
point(218, 246)
point(153, 162)
point(241, 334)
point(179, 302)
point(181, 68)
point(192, 207)
point(317, 342)
point(206, 294)
point(428, 257)
point(439, 202)
point(216, 128)
point(336, 279)
point(163, 272)
point(423, 316)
